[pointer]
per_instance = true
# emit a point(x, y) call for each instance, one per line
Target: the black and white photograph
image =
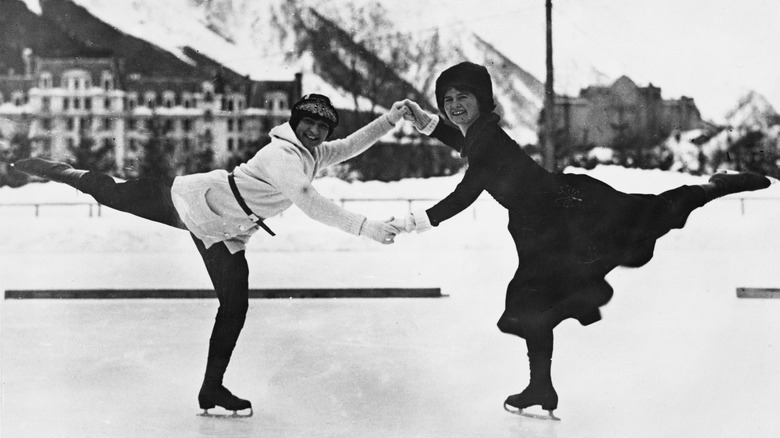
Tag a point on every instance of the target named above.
point(389, 218)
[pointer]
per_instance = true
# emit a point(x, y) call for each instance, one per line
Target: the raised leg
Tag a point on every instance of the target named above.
point(722, 184)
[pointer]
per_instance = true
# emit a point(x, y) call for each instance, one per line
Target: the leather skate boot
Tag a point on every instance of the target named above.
point(52, 170)
point(722, 184)
point(212, 392)
point(211, 396)
point(540, 390)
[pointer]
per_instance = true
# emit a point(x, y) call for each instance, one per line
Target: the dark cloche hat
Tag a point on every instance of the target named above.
point(466, 76)
point(316, 106)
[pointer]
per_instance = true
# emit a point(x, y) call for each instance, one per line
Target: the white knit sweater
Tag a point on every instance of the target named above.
point(279, 175)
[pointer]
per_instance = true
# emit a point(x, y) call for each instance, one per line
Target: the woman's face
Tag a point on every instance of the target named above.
point(461, 107)
point(311, 132)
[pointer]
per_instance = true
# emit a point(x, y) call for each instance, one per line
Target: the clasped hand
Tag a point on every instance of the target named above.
point(411, 111)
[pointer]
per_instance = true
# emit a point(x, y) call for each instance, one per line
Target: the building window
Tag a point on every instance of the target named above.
point(240, 144)
point(107, 103)
point(168, 125)
point(186, 144)
point(76, 79)
point(169, 99)
point(66, 103)
point(88, 103)
point(45, 80)
point(46, 103)
point(230, 125)
point(133, 145)
point(46, 124)
point(276, 101)
point(107, 124)
point(107, 80)
point(187, 125)
point(240, 125)
point(230, 144)
point(71, 124)
point(76, 103)
point(71, 143)
point(150, 98)
point(17, 98)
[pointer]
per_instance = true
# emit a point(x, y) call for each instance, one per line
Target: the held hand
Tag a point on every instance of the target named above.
point(416, 114)
point(405, 225)
point(400, 224)
point(382, 232)
point(398, 111)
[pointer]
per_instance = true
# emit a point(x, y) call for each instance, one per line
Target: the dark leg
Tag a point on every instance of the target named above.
point(722, 184)
point(147, 198)
point(55, 171)
point(229, 274)
point(540, 391)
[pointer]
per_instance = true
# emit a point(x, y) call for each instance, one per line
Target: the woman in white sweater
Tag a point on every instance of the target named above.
point(222, 210)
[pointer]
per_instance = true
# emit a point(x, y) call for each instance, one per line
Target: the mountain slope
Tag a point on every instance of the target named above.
point(266, 40)
point(21, 28)
point(753, 112)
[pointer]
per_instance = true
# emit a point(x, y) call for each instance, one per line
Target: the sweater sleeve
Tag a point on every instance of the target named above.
point(336, 151)
point(286, 174)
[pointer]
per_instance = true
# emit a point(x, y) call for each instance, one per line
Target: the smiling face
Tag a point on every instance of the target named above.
point(311, 132)
point(461, 107)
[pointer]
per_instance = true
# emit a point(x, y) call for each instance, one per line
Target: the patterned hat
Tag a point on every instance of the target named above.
point(467, 76)
point(317, 107)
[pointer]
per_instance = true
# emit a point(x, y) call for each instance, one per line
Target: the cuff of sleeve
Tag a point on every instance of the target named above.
point(421, 221)
point(387, 119)
point(356, 225)
point(428, 129)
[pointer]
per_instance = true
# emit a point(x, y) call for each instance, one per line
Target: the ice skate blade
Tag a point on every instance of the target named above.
point(235, 414)
point(549, 417)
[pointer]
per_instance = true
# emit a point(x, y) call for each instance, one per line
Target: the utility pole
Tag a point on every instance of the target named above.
point(548, 153)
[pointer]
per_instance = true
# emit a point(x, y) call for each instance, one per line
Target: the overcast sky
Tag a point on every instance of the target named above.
point(711, 50)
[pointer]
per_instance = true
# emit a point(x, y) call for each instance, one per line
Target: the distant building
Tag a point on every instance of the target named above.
point(622, 116)
point(61, 101)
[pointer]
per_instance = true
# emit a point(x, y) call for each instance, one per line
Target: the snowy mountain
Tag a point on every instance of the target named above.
point(274, 39)
point(753, 112)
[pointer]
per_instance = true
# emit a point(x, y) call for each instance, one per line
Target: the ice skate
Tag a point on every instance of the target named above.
point(727, 183)
point(540, 390)
point(533, 395)
point(52, 170)
point(211, 397)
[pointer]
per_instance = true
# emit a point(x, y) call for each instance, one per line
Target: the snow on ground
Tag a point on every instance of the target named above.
point(677, 354)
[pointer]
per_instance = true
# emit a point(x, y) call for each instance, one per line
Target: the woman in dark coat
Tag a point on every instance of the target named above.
point(569, 230)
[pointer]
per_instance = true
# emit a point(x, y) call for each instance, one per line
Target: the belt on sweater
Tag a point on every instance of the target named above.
point(255, 218)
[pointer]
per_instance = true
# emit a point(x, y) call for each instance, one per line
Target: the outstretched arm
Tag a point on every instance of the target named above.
point(287, 176)
point(336, 151)
point(431, 125)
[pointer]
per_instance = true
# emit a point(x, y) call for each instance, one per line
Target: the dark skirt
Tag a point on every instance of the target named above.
point(578, 234)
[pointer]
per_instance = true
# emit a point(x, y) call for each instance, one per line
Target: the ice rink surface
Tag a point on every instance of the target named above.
point(677, 354)
point(671, 358)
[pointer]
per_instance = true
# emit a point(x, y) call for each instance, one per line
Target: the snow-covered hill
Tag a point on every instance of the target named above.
point(753, 112)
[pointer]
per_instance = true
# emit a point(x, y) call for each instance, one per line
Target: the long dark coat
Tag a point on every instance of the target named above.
point(569, 230)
